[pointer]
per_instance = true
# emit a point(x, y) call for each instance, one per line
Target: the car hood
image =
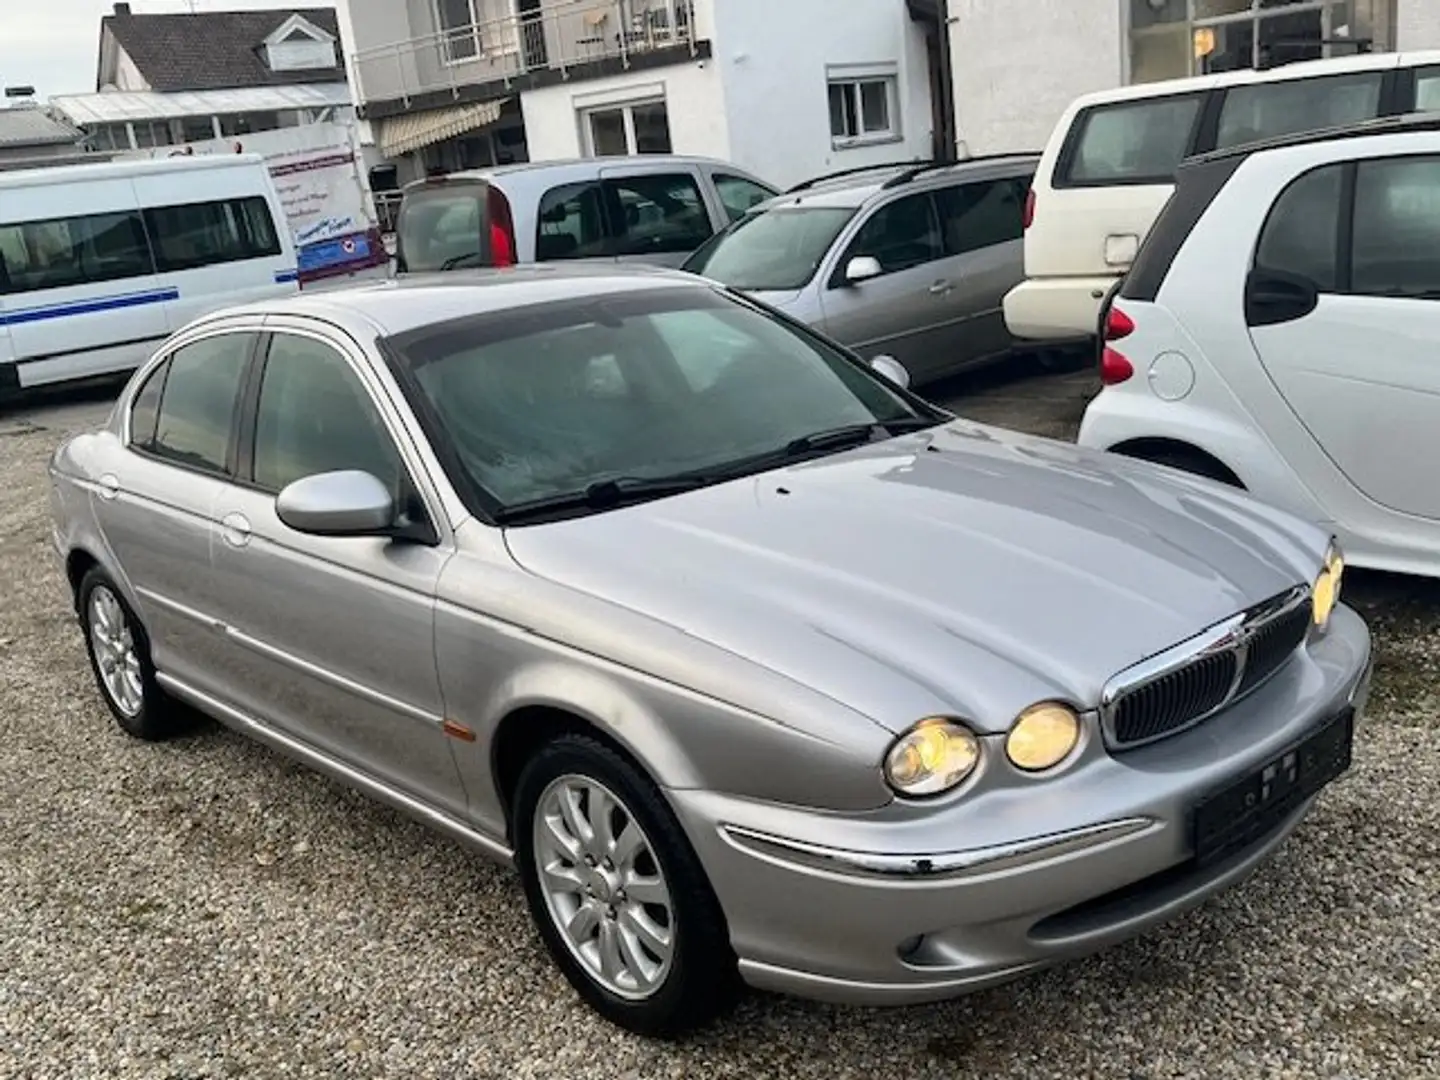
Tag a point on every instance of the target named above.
point(966, 569)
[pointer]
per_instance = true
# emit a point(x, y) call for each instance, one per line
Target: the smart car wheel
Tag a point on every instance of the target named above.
point(617, 892)
point(120, 657)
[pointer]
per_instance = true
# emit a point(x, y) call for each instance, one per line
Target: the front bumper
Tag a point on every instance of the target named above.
point(913, 904)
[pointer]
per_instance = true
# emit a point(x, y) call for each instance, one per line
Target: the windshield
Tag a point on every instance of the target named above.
point(555, 398)
point(440, 229)
point(777, 249)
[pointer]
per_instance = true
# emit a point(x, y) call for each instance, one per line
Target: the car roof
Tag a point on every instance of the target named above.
point(855, 187)
point(1385, 125)
point(406, 303)
point(566, 168)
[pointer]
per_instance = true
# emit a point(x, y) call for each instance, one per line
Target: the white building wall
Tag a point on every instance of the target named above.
point(1014, 77)
point(694, 103)
point(773, 56)
point(127, 75)
point(1417, 24)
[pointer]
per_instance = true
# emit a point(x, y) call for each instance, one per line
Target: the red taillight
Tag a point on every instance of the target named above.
point(1115, 367)
point(1029, 208)
point(502, 229)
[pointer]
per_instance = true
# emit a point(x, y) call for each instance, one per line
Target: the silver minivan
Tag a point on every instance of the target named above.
point(910, 260)
point(653, 208)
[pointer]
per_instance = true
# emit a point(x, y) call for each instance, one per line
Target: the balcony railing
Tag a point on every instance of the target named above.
point(561, 35)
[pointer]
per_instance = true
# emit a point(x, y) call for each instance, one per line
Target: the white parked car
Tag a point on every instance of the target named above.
point(1280, 330)
point(1110, 164)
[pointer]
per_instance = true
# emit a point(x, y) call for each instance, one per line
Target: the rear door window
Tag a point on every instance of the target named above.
point(1265, 110)
point(981, 215)
point(659, 213)
point(574, 223)
point(1427, 89)
point(197, 405)
point(1132, 142)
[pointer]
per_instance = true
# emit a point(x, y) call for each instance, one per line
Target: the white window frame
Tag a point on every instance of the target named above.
point(588, 105)
point(508, 35)
point(851, 77)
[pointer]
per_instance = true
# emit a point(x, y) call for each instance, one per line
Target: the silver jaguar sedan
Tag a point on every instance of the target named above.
point(758, 667)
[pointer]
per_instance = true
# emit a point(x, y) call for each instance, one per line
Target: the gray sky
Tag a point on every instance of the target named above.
point(54, 46)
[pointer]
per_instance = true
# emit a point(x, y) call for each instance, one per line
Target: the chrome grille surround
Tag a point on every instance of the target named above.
point(1197, 678)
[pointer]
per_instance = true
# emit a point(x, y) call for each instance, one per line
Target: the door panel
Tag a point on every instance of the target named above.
point(902, 312)
point(332, 638)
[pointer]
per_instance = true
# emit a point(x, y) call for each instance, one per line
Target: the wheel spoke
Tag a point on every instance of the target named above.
point(627, 845)
point(600, 812)
point(611, 963)
point(652, 935)
point(581, 926)
point(640, 965)
point(563, 879)
point(567, 844)
point(647, 890)
point(569, 799)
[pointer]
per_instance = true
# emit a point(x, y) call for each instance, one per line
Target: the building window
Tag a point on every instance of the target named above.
point(1175, 38)
point(862, 110)
point(459, 28)
point(641, 128)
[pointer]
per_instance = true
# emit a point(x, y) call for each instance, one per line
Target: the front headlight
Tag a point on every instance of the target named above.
point(1325, 593)
point(1042, 737)
point(931, 758)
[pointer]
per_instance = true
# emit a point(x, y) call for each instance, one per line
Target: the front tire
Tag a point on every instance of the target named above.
point(119, 655)
point(617, 893)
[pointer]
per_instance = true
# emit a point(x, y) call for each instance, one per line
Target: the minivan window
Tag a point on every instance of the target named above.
point(1131, 142)
point(204, 234)
point(1266, 110)
point(1397, 228)
point(1427, 89)
point(572, 223)
point(1300, 235)
point(440, 227)
point(63, 252)
point(778, 249)
point(662, 213)
point(197, 406)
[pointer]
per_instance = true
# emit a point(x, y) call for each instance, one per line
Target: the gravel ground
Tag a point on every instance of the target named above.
point(206, 909)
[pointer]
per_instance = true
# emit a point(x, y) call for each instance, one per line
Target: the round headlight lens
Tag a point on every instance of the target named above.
point(932, 757)
point(1326, 592)
point(1043, 737)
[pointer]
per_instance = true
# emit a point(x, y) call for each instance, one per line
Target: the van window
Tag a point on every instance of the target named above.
point(1132, 142)
point(1265, 110)
point(197, 406)
point(981, 215)
point(572, 223)
point(203, 234)
point(1427, 89)
point(1397, 228)
point(64, 252)
point(661, 214)
point(738, 195)
point(1301, 234)
point(440, 227)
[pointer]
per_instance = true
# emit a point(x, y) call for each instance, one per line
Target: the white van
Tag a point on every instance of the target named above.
point(100, 263)
point(1109, 166)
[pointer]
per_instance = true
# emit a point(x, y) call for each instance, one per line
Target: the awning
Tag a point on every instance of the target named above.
point(399, 135)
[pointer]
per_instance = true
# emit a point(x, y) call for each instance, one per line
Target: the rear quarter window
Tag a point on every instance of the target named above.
point(1129, 142)
point(1268, 110)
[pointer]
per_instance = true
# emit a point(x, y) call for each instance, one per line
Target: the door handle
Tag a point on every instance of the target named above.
point(235, 527)
point(940, 287)
point(109, 486)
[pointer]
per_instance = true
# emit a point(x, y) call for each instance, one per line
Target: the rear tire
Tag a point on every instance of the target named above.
point(119, 652)
point(617, 892)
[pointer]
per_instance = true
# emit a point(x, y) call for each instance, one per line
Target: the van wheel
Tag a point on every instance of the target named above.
point(618, 894)
point(119, 655)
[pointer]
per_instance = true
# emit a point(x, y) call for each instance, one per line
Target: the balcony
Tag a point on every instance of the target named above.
point(561, 39)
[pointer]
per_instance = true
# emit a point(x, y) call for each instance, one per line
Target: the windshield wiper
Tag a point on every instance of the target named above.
point(607, 494)
point(455, 260)
point(856, 434)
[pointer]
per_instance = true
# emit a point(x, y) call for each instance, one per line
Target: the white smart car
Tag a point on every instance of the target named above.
point(1280, 331)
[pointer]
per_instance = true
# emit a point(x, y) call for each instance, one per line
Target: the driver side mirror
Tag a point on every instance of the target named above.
point(862, 268)
point(346, 503)
point(889, 368)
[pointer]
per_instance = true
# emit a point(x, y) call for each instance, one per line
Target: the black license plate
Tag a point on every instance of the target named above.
point(1244, 811)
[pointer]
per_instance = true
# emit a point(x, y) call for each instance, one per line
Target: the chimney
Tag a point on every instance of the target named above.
point(122, 9)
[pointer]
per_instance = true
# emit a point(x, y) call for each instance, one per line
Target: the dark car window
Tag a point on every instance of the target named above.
point(63, 252)
point(314, 416)
point(573, 223)
point(552, 398)
point(441, 226)
point(660, 214)
point(776, 249)
point(1300, 234)
point(197, 407)
point(900, 235)
point(1427, 89)
point(203, 234)
point(1397, 228)
point(1136, 142)
point(739, 195)
point(145, 407)
point(982, 214)
point(1265, 110)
